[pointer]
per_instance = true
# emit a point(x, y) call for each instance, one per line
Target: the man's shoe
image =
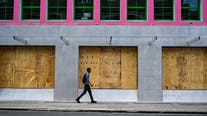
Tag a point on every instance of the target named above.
point(93, 102)
point(77, 100)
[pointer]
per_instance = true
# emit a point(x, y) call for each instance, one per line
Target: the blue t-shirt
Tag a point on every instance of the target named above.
point(87, 76)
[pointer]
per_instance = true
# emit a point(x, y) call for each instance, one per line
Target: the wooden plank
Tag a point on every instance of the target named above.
point(45, 67)
point(90, 57)
point(184, 68)
point(6, 66)
point(110, 67)
point(106, 64)
point(25, 62)
point(129, 68)
point(27, 67)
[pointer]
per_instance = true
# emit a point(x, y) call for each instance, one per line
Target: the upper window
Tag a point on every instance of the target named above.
point(6, 9)
point(110, 9)
point(163, 9)
point(136, 9)
point(83, 10)
point(57, 9)
point(190, 10)
point(30, 9)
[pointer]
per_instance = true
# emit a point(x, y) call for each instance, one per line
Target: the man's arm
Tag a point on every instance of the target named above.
point(89, 82)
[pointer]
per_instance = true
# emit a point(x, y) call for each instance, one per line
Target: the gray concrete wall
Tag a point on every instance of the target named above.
point(67, 56)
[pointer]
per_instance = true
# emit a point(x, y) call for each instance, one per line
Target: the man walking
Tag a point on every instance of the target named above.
point(87, 87)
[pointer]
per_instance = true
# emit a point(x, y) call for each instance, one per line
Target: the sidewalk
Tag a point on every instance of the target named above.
point(107, 107)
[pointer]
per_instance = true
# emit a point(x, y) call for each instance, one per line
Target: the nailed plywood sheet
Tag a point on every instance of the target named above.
point(184, 68)
point(112, 67)
point(27, 67)
point(129, 67)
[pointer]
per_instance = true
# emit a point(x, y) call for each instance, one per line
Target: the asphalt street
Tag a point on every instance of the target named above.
point(61, 113)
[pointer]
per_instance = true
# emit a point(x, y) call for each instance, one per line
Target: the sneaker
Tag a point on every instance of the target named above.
point(77, 100)
point(93, 102)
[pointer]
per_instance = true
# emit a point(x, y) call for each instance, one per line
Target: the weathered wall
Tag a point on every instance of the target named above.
point(67, 56)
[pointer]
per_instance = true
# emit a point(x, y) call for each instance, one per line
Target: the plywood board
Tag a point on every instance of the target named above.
point(108, 72)
point(129, 67)
point(90, 57)
point(184, 68)
point(28, 67)
point(110, 67)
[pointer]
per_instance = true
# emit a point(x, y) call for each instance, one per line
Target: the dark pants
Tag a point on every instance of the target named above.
point(86, 88)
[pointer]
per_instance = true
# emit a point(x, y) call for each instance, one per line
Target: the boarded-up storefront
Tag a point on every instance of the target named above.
point(184, 68)
point(112, 67)
point(27, 67)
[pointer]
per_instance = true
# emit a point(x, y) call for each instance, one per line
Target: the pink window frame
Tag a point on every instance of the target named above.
point(97, 21)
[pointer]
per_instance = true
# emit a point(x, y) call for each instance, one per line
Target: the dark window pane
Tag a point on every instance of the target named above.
point(84, 14)
point(31, 9)
point(132, 14)
point(26, 13)
point(6, 9)
point(83, 2)
point(194, 14)
point(136, 9)
point(31, 13)
point(31, 2)
point(57, 9)
point(190, 9)
point(158, 13)
point(9, 15)
point(185, 14)
point(158, 3)
point(190, 3)
point(168, 14)
point(131, 2)
point(168, 3)
point(163, 9)
point(35, 13)
point(83, 10)
point(110, 9)
point(57, 2)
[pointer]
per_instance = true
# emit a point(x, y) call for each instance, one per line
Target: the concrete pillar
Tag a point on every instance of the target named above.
point(150, 74)
point(66, 76)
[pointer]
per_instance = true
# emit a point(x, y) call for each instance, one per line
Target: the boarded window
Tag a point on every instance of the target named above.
point(27, 67)
point(112, 67)
point(184, 68)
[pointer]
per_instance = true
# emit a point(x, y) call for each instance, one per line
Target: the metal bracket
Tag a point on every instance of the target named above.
point(110, 41)
point(152, 41)
point(20, 40)
point(193, 41)
point(64, 40)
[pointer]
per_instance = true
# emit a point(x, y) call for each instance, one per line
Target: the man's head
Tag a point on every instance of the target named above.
point(89, 70)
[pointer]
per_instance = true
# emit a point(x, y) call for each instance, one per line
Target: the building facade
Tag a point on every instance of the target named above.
point(139, 50)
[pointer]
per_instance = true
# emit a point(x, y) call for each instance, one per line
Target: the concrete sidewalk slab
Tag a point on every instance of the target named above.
point(107, 107)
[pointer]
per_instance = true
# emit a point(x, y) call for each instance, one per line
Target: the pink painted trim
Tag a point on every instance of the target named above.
point(69, 11)
point(17, 4)
point(123, 11)
point(177, 8)
point(204, 12)
point(150, 10)
point(97, 10)
point(43, 11)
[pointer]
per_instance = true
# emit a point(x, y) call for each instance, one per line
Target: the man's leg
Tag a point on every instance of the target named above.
point(90, 93)
point(84, 92)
